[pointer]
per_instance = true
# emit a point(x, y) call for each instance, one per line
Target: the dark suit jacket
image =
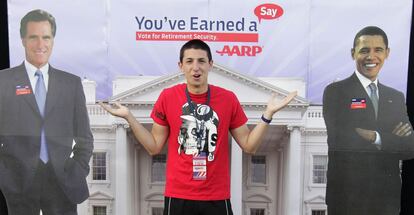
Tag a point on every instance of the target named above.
point(66, 120)
point(363, 179)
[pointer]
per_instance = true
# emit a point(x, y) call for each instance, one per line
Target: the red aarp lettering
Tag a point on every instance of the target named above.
point(249, 51)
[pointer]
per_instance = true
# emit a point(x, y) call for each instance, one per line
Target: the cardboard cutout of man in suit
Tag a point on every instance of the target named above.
point(368, 134)
point(42, 114)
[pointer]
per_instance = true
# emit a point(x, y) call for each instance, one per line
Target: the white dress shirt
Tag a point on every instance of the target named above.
point(31, 70)
point(365, 83)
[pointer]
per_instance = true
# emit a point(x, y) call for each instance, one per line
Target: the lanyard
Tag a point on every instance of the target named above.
point(191, 104)
point(200, 127)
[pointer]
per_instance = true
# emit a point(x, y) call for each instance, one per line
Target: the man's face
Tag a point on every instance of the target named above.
point(38, 43)
point(195, 66)
point(369, 55)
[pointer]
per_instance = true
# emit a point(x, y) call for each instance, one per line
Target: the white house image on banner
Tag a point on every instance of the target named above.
point(287, 176)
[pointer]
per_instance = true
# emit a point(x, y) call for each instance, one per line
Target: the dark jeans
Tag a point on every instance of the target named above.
point(175, 206)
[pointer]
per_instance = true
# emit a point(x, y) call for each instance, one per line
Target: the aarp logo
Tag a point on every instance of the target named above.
point(249, 51)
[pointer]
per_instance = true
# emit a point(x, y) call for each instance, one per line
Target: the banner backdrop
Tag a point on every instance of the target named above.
point(310, 39)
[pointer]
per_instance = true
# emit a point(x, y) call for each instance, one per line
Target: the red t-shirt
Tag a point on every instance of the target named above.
point(204, 128)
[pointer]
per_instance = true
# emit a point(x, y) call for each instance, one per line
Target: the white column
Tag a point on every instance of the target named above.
point(137, 174)
point(122, 200)
point(236, 178)
point(293, 180)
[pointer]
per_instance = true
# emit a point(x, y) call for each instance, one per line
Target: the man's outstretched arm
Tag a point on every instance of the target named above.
point(250, 141)
point(152, 141)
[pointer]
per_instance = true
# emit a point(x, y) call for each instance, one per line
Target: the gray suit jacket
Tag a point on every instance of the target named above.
point(363, 179)
point(66, 120)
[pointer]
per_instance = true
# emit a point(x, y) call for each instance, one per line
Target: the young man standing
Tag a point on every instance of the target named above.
point(196, 118)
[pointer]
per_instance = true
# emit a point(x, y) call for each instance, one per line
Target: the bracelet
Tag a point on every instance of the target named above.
point(268, 121)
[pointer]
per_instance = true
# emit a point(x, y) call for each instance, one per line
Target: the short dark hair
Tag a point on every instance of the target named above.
point(195, 44)
point(371, 30)
point(37, 16)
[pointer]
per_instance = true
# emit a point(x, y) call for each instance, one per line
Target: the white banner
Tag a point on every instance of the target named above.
point(310, 39)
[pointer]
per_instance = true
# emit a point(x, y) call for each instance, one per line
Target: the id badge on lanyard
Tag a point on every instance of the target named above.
point(200, 159)
point(200, 166)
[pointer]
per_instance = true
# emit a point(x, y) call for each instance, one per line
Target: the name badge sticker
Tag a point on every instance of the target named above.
point(200, 166)
point(23, 90)
point(358, 103)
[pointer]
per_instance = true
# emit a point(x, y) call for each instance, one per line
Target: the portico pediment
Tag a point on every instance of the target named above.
point(250, 91)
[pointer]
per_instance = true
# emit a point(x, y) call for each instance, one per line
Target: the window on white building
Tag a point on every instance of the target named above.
point(258, 169)
point(320, 166)
point(99, 166)
point(99, 210)
point(257, 211)
point(158, 168)
point(157, 211)
point(318, 212)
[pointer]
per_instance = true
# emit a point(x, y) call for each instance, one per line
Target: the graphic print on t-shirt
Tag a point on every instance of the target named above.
point(198, 131)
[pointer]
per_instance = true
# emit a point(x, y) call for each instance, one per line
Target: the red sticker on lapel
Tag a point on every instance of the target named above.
point(23, 90)
point(358, 103)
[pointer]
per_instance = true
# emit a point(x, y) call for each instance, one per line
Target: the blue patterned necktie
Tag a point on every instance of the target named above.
point(374, 97)
point(40, 94)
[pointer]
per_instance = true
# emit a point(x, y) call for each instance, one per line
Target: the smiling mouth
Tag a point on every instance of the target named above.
point(40, 52)
point(370, 65)
point(197, 76)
